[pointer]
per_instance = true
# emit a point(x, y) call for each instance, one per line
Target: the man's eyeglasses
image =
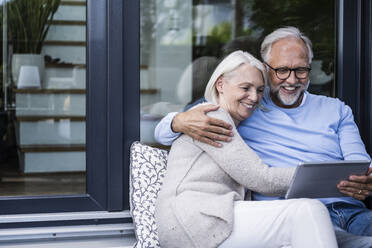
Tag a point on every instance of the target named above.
point(284, 72)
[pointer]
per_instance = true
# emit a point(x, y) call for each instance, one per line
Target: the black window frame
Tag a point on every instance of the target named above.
point(112, 117)
point(366, 74)
point(354, 61)
point(113, 99)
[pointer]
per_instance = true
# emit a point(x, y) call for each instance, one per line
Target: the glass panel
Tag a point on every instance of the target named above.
point(182, 41)
point(42, 119)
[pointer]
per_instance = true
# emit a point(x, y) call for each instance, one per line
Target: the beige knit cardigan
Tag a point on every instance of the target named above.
point(195, 204)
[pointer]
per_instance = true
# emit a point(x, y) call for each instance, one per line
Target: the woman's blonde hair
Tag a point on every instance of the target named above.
point(229, 64)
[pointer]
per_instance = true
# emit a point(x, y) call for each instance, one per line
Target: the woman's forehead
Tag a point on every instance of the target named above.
point(246, 73)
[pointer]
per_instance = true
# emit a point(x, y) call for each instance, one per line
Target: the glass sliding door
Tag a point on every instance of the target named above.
point(182, 42)
point(61, 146)
point(43, 97)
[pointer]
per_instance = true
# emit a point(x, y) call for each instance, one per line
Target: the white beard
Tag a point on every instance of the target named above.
point(288, 99)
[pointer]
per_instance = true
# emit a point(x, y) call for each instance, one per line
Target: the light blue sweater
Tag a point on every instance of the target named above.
point(322, 128)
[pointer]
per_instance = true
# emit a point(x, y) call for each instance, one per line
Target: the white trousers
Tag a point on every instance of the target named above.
point(297, 223)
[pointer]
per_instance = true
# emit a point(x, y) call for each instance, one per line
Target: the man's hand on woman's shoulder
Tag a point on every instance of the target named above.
point(196, 124)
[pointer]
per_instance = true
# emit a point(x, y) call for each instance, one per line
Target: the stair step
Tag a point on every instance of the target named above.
point(68, 22)
point(73, 3)
point(69, 10)
point(49, 91)
point(71, 91)
point(64, 43)
point(65, 76)
point(150, 91)
point(50, 131)
point(65, 31)
point(53, 148)
point(44, 159)
point(44, 102)
point(53, 117)
point(70, 54)
point(64, 65)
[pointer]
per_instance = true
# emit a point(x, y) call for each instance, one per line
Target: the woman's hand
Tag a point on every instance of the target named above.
point(196, 124)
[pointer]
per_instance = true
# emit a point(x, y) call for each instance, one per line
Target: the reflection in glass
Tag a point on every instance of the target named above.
point(42, 125)
point(182, 42)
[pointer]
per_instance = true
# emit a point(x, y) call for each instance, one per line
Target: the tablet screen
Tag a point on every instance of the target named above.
point(320, 179)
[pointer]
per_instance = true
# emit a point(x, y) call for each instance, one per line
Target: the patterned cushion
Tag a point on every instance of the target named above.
point(147, 171)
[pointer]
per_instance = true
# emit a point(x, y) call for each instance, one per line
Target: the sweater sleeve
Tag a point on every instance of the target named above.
point(239, 161)
point(350, 142)
point(163, 132)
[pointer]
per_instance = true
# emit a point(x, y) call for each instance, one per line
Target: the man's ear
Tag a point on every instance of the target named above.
point(219, 84)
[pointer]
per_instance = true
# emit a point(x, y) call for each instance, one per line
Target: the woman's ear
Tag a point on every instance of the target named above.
point(219, 85)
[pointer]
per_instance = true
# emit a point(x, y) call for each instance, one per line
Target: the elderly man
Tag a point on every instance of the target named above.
point(294, 126)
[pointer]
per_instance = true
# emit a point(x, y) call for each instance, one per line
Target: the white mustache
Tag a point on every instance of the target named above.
point(290, 85)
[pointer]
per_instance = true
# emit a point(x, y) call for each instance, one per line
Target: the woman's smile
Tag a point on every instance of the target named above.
point(248, 105)
point(240, 91)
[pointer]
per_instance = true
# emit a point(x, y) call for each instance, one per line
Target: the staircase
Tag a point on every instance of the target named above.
point(50, 122)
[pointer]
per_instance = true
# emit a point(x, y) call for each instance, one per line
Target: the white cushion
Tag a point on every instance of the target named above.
point(147, 170)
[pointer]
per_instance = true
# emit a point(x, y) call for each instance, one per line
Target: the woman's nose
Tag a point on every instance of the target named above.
point(253, 95)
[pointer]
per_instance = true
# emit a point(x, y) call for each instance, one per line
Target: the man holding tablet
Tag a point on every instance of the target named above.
point(320, 179)
point(294, 126)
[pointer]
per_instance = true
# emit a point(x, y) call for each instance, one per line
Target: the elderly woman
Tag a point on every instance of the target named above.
point(201, 203)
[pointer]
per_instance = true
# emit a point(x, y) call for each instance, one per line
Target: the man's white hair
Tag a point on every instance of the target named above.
point(281, 33)
point(229, 64)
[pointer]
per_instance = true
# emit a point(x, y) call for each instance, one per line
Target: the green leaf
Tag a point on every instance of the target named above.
point(29, 22)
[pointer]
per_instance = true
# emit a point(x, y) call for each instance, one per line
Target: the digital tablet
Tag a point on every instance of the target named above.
point(320, 179)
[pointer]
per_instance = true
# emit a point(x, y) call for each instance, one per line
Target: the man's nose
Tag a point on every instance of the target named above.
point(292, 78)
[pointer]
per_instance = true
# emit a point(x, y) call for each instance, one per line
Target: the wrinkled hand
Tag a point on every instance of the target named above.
point(196, 124)
point(358, 187)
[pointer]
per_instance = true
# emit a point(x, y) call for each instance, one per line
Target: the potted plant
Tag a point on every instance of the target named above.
point(28, 23)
